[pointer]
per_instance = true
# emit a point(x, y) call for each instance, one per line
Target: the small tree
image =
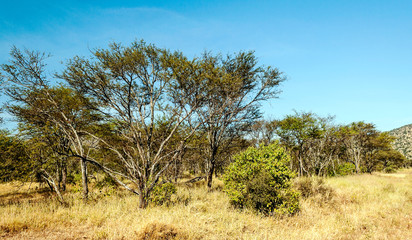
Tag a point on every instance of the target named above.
point(37, 103)
point(259, 178)
point(234, 87)
point(296, 132)
point(147, 93)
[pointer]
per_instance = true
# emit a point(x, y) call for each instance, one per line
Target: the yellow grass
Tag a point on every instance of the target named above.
point(364, 207)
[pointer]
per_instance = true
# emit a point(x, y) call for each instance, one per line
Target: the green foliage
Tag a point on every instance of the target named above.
point(388, 160)
point(74, 178)
point(107, 181)
point(15, 164)
point(389, 169)
point(162, 194)
point(346, 169)
point(310, 139)
point(260, 179)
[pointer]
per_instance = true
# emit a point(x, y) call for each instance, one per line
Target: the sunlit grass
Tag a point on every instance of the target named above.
point(363, 207)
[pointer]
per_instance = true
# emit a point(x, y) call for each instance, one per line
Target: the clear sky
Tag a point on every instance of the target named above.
point(351, 59)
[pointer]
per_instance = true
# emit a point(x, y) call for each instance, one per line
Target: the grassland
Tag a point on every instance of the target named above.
point(377, 206)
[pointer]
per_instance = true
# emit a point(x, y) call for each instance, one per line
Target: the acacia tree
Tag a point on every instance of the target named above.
point(31, 158)
point(36, 102)
point(233, 87)
point(264, 131)
point(357, 141)
point(136, 87)
point(295, 132)
point(323, 150)
point(46, 164)
point(368, 149)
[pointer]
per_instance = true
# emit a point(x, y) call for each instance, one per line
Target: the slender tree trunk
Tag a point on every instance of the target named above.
point(84, 179)
point(300, 164)
point(59, 174)
point(357, 161)
point(53, 186)
point(64, 176)
point(56, 189)
point(212, 165)
point(48, 184)
point(210, 174)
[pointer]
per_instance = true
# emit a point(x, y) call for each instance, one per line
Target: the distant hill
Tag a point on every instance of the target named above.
point(403, 142)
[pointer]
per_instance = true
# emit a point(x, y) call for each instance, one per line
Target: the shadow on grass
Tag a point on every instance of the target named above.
point(31, 196)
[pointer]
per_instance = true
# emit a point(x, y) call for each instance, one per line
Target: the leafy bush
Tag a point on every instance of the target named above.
point(390, 169)
point(346, 169)
point(107, 181)
point(260, 179)
point(15, 164)
point(162, 194)
point(74, 178)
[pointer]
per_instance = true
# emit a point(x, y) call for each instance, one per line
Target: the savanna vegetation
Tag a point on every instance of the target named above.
point(142, 142)
point(360, 206)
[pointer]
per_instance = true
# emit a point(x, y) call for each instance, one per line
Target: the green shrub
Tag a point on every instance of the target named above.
point(390, 169)
point(346, 169)
point(74, 178)
point(162, 194)
point(107, 181)
point(260, 179)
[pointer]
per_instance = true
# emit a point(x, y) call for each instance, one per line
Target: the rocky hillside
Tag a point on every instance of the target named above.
point(403, 142)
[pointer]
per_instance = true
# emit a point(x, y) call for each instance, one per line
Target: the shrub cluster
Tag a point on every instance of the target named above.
point(259, 178)
point(162, 194)
point(345, 169)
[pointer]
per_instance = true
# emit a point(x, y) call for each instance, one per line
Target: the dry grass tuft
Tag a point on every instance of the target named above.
point(13, 227)
point(312, 187)
point(161, 231)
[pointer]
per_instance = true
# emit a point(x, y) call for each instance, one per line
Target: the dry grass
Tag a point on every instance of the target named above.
point(362, 207)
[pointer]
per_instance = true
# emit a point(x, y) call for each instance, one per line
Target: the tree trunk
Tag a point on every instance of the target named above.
point(211, 170)
point(357, 162)
point(59, 174)
point(52, 184)
point(143, 200)
point(212, 165)
point(84, 179)
point(64, 176)
point(177, 163)
point(210, 175)
point(48, 184)
point(300, 166)
point(56, 189)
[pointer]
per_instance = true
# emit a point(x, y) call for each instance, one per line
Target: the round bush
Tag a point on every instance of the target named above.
point(259, 178)
point(162, 194)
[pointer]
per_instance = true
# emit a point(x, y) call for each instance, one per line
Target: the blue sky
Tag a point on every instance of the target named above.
point(351, 59)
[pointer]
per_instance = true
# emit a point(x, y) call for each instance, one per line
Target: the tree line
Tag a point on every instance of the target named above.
point(145, 115)
point(320, 147)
